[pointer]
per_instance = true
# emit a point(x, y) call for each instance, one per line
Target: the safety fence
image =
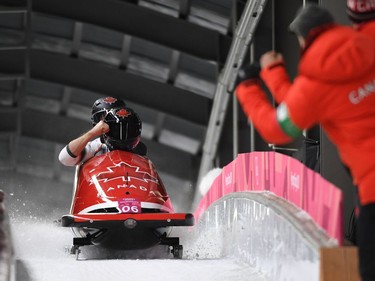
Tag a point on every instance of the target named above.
point(285, 177)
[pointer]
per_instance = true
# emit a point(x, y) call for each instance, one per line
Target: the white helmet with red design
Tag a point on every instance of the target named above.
point(124, 129)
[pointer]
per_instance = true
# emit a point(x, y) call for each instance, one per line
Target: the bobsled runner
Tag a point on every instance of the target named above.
point(119, 202)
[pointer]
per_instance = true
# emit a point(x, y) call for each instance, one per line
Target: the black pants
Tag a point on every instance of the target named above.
point(366, 242)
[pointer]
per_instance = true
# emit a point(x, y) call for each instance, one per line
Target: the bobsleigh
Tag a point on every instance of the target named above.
point(119, 202)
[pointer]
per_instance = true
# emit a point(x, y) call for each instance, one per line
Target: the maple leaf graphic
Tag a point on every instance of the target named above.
point(132, 173)
point(110, 100)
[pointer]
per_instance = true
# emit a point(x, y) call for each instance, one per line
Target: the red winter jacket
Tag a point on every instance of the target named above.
point(335, 88)
point(367, 28)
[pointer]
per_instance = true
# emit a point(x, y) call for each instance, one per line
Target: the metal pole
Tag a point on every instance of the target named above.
point(234, 99)
point(242, 38)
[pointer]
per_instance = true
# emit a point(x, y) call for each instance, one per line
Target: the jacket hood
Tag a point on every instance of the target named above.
point(338, 54)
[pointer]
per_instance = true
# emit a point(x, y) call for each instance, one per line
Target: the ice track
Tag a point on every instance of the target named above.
point(41, 256)
point(250, 229)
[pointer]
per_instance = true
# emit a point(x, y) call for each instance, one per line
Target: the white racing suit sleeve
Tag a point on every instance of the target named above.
point(67, 158)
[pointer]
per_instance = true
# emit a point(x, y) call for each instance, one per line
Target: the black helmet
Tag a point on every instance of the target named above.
point(124, 129)
point(102, 105)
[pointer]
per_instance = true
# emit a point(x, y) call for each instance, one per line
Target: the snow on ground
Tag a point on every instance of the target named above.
point(41, 256)
point(40, 246)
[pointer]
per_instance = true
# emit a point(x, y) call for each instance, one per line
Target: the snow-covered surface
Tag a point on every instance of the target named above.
point(234, 240)
point(40, 245)
point(40, 253)
point(208, 180)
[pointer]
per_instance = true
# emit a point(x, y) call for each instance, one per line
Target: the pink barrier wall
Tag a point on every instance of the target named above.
point(285, 177)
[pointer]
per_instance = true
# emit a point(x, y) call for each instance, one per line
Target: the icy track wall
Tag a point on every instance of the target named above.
point(6, 245)
point(263, 231)
point(276, 212)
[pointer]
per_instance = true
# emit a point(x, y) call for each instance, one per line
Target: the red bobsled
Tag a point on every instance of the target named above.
point(119, 202)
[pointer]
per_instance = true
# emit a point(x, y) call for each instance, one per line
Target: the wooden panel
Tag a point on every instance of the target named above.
point(339, 264)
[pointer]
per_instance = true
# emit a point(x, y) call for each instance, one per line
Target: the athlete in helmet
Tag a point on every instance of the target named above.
point(124, 129)
point(117, 127)
point(102, 106)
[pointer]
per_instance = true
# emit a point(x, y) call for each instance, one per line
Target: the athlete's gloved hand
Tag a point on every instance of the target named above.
point(247, 72)
point(271, 59)
point(99, 129)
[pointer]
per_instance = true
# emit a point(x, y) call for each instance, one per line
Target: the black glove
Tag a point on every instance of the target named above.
point(248, 71)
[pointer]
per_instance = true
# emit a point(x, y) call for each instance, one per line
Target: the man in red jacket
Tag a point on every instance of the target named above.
point(335, 88)
point(362, 15)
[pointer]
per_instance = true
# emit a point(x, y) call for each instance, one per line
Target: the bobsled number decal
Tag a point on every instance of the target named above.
point(129, 205)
